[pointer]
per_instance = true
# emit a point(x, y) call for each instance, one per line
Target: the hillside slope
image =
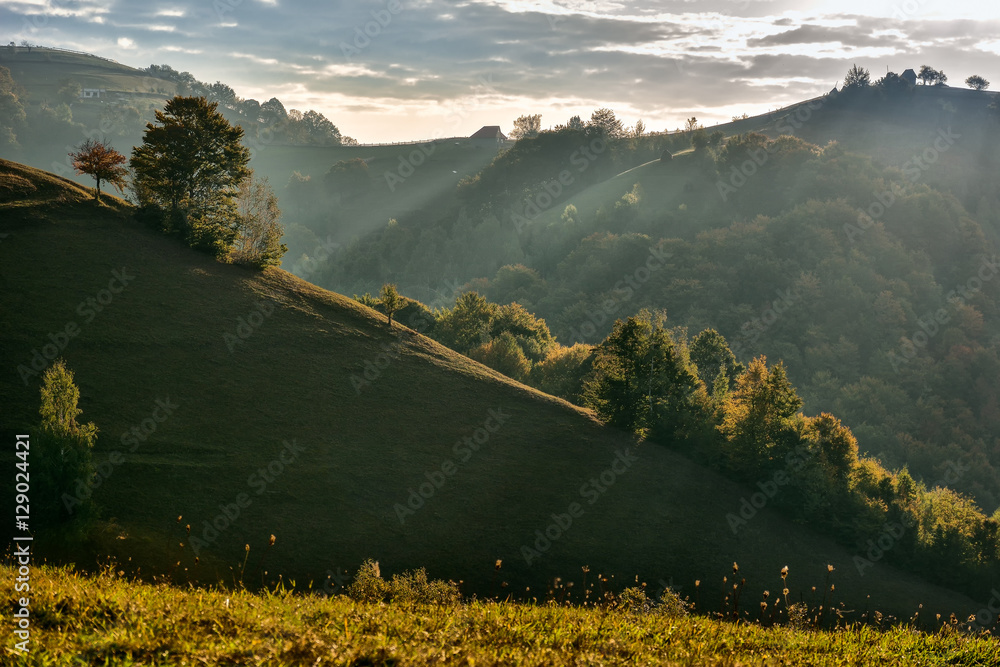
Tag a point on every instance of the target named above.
point(255, 378)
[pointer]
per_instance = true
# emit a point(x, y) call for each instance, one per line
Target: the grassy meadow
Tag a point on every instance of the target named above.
point(109, 619)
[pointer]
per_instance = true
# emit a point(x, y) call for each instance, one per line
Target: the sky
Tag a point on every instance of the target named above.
point(396, 70)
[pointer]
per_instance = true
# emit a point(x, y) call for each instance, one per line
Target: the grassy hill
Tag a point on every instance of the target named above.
point(40, 70)
point(256, 380)
point(109, 619)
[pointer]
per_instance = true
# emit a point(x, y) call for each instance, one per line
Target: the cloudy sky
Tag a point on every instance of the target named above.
point(390, 70)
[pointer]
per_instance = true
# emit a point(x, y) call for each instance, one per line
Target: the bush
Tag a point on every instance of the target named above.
point(671, 604)
point(368, 585)
point(634, 600)
point(412, 586)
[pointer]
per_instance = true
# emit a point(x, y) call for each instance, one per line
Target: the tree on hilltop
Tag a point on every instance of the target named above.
point(928, 75)
point(605, 120)
point(526, 127)
point(977, 82)
point(190, 166)
point(98, 159)
point(858, 78)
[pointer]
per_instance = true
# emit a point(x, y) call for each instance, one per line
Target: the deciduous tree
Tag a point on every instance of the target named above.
point(390, 301)
point(605, 120)
point(977, 82)
point(526, 127)
point(258, 242)
point(100, 160)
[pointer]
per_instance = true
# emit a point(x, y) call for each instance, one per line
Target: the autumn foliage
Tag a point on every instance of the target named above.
point(98, 159)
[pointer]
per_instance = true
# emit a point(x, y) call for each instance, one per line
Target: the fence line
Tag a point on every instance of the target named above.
point(61, 50)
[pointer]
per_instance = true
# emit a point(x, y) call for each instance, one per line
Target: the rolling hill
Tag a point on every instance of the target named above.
point(265, 405)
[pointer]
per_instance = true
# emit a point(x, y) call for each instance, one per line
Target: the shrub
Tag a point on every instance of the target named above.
point(411, 586)
point(671, 604)
point(368, 585)
point(634, 600)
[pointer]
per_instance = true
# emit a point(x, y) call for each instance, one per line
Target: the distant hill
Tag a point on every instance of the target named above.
point(41, 69)
point(222, 387)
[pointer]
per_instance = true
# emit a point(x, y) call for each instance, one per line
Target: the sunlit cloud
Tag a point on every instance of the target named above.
point(659, 60)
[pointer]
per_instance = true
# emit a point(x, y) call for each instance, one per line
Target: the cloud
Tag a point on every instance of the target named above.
point(389, 69)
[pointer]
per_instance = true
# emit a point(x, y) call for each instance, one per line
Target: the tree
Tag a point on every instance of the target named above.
point(691, 124)
point(526, 127)
point(604, 120)
point(349, 179)
point(757, 423)
point(12, 114)
point(639, 129)
point(273, 111)
point(258, 242)
point(712, 357)
point(390, 301)
point(190, 166)
point(892, 84)
point(319, 129)
point(858, 78)
point(699, 139)
point(299, 190)
point(100, 160)
point(977, 82)
point(467, 325)
point(928, 75)
point(504, 355)
point(69, 91)
point(575, 123)
point(63, 455)
point(223, 94)
point(250, 109)
point(531, 333)
point(640, 380)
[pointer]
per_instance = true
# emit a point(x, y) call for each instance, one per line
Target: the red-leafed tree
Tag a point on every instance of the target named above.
point(104, 163)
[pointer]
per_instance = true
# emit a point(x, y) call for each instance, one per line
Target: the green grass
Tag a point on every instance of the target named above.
point(111, 620)
point(165, 336)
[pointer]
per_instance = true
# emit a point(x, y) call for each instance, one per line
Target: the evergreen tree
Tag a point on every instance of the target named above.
point(190, 165)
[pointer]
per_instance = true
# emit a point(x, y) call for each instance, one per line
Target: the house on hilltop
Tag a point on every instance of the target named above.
point(909, 76)
point(488, 136)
